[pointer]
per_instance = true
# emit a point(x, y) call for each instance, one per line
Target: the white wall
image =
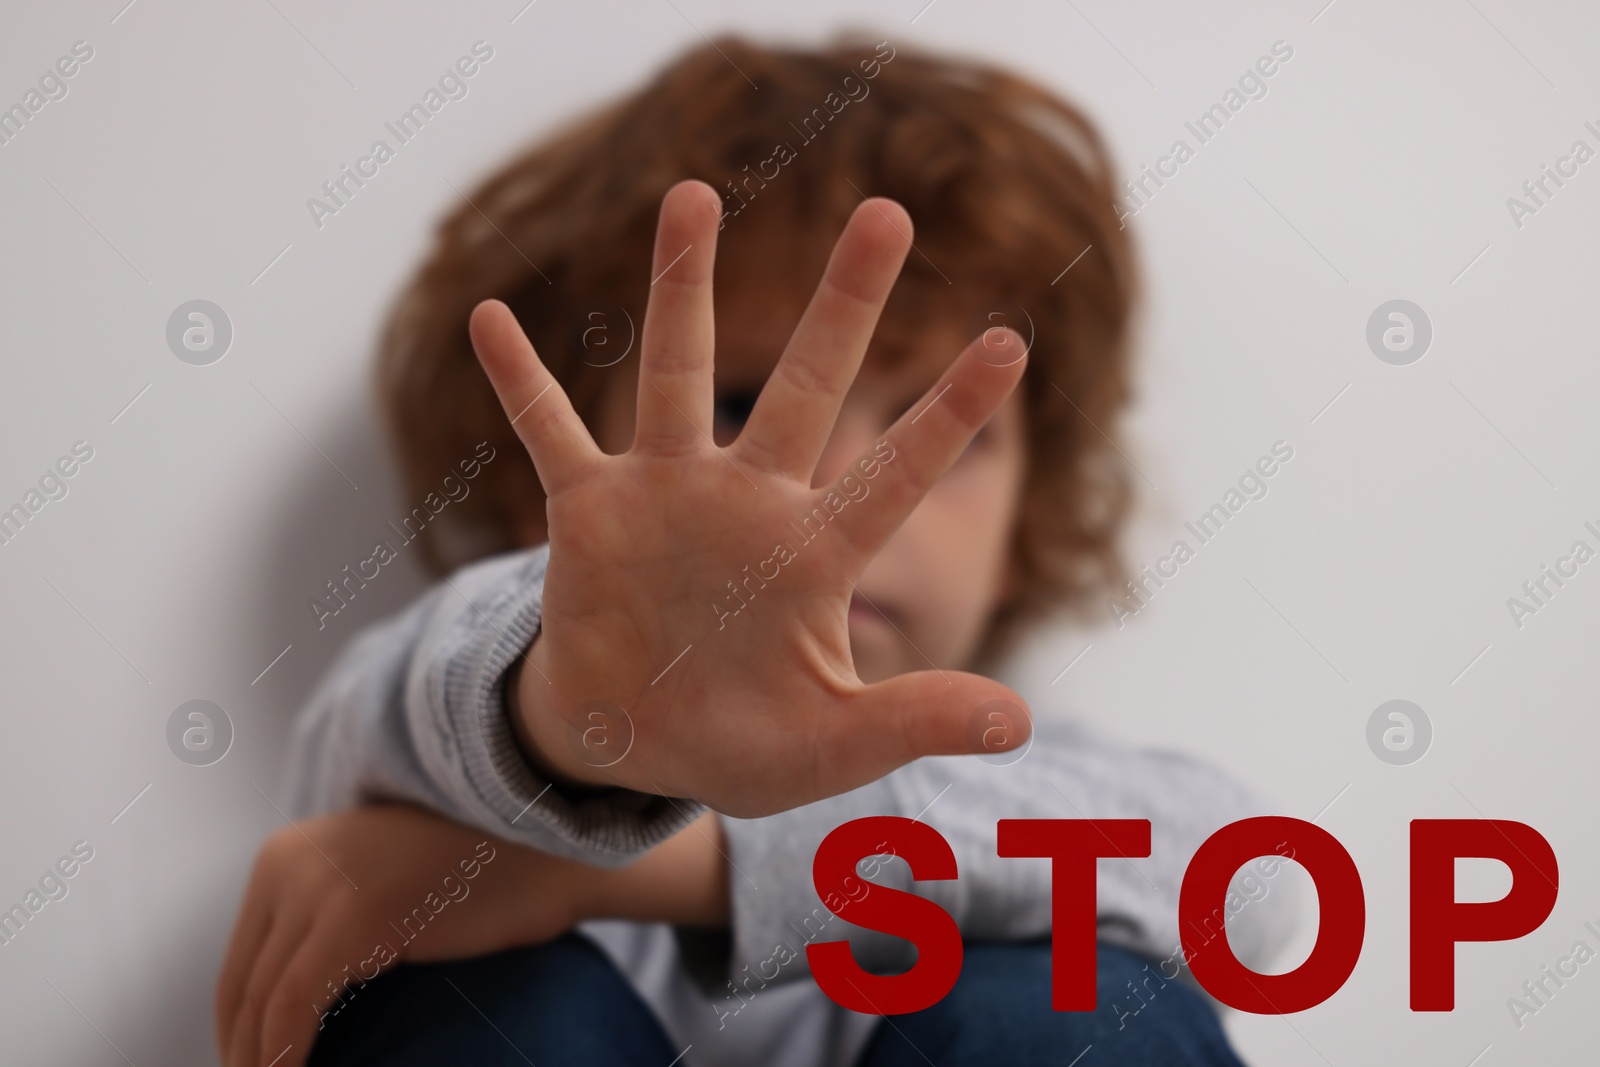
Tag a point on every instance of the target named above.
point(1377, 167)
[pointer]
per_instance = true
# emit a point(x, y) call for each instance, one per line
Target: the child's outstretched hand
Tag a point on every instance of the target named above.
point(641, 677)
point(335, 900)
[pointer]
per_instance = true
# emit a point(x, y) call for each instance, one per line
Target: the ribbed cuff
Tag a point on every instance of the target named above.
point(614, 826)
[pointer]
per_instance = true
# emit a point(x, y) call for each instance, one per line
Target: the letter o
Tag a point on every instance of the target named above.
point(1339, 933)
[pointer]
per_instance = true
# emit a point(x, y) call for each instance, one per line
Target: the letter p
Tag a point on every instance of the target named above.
point(1438, 920)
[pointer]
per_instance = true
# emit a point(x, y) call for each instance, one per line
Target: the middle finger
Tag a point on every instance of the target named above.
point(794, 415)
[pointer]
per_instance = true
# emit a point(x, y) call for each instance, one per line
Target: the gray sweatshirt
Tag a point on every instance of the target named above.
point(414, 710)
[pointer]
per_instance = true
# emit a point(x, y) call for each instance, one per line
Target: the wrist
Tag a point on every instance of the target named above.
point(544, 737)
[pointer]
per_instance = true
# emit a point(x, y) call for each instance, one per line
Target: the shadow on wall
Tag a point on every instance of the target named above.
point(326, 538)
point(323, 525)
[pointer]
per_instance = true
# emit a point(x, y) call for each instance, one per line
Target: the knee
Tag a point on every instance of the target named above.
point(1141, 1006)
point(566, 991)
point(999, 1011)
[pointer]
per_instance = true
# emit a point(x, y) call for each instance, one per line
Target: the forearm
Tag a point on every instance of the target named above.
point(683, 881)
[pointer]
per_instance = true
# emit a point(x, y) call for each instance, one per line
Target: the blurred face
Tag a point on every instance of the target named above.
point(928, 595)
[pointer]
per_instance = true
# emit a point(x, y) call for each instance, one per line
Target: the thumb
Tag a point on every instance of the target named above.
point(931, 713)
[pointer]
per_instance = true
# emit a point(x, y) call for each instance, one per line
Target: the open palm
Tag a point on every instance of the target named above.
point(695, 638)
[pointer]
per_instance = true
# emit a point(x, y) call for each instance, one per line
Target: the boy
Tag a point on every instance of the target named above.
point(729, 613)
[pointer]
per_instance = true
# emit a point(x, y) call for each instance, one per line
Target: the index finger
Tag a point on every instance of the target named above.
point(288, 1030)
point(249, 931)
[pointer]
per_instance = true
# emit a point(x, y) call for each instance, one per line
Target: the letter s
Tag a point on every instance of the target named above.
point(483, 50)
point(83, 450)
point(1282, 50)
point(83, 851)
point(891, 911)
point(1283, 450)
point(83, 50)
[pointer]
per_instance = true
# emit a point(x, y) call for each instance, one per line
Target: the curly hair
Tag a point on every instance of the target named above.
point(1013, 195)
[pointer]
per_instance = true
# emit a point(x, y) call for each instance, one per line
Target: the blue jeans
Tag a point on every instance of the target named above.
point(564, 1003)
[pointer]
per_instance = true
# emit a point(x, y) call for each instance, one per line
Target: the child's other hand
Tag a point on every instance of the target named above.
point(333, 900)
point(640, 680)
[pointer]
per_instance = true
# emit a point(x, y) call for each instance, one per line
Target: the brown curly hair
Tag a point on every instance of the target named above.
point(1013, 196)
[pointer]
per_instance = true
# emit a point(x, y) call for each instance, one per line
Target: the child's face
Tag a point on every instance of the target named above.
point(938, 579)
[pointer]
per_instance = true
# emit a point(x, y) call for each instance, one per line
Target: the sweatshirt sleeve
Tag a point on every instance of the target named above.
point(414, 710)
point(1067, 773)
